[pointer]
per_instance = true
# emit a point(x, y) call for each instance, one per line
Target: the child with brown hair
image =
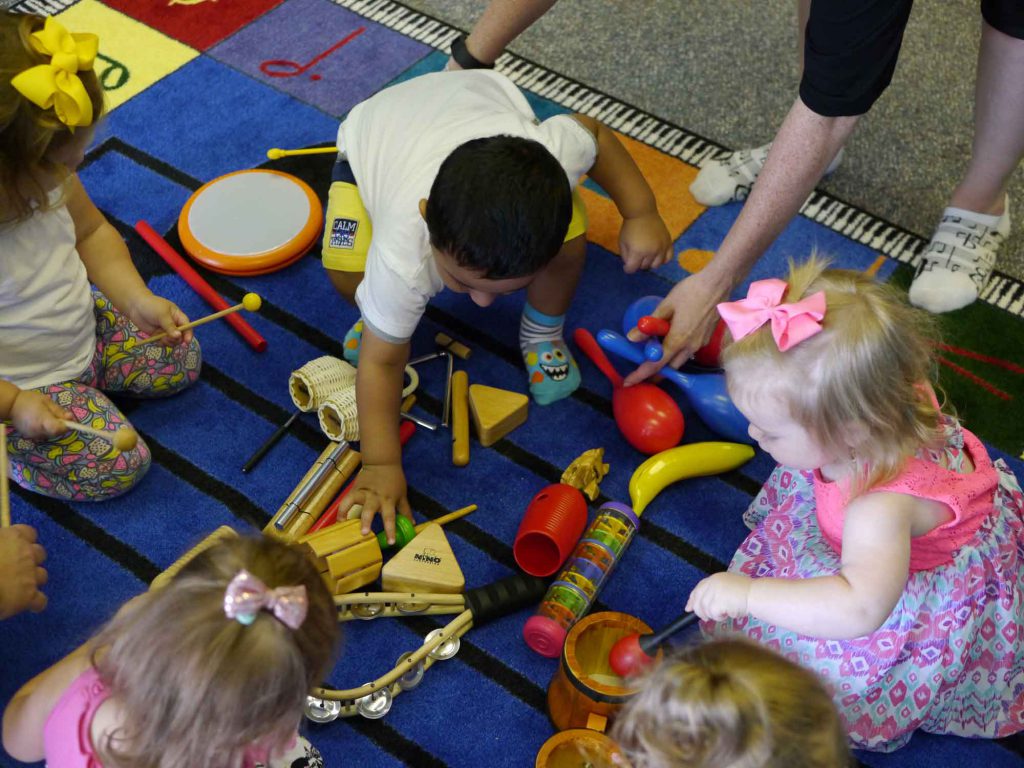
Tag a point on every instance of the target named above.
point(730, 704)
point(211, 670)
point(63, 342)
point(887, 548)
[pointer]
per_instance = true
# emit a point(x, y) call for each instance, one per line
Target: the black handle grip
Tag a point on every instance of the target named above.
point(504, 597)
point(649, 643)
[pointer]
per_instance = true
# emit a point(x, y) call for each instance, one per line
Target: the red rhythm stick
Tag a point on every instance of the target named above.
point(198, 284)
point(330, 515)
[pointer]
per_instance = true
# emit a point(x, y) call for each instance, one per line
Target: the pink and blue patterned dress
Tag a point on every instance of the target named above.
point(950, 657)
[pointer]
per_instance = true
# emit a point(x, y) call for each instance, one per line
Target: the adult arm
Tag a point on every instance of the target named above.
point(800, 153)
point(501, 22)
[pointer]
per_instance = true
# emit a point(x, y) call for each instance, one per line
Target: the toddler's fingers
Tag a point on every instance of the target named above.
point(38, 554)
point(38, 603)
point(26, 532)
point(405, 509)
point(370, 507)
point(387, 514)
point(41, 576)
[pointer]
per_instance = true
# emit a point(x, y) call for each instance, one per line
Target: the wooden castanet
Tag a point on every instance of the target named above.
point(585, 685)
point(345, 557)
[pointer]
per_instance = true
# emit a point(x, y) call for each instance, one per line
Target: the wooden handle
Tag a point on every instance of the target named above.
point(122, 439)
point(5, 501)
point(585, 340)
point(460, 419)
point(193, 324)
point(447, 518)
point(219, 535)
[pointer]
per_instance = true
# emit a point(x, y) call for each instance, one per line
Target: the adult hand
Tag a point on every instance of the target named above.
point(721, 596)
point(153, 313)
point(36, 416)
point(690, 307)
point(644, 243)
point(382, 488)
point(21, 571)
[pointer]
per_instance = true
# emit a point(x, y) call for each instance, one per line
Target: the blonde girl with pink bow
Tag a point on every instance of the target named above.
point(72, 305)
point(211, 670)
point(887, 548)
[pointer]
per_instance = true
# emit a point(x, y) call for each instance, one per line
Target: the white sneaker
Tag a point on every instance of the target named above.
point(730, 178)
point(959, 259)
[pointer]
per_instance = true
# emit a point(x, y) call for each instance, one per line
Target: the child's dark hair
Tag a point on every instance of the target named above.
point(198, 687)
point(500, 205)
point(29, 135)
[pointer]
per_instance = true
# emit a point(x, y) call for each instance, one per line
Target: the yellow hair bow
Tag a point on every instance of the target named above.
point(57, 84)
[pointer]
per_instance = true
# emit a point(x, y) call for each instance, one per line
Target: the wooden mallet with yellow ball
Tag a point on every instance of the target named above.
point(250, 302)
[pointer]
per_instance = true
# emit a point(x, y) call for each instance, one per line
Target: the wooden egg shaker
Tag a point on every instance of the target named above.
point(346, 559)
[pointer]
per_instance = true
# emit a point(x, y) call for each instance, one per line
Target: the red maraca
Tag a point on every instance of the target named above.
point(647, 416)
point(633, 653)
point(708, 355)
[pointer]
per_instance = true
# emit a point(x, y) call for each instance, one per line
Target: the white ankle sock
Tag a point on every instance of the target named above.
point(730, 178)
point(959, 259)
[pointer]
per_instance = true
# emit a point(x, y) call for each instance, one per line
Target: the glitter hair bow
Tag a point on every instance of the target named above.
point(57, 84)
point(791, 323)
point(246, 596)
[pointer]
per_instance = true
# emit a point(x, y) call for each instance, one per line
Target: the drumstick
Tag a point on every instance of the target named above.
point(276, 154)
point(197, 283)
point(250, 302)
point(5, 502)
point(123, 439)
point(447, 518)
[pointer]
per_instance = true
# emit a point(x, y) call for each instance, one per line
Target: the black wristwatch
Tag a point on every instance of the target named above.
point(464, 58)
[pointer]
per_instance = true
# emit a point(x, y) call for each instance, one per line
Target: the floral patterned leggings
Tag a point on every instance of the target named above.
point(80, 467)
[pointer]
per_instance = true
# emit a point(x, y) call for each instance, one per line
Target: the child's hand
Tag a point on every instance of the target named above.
point(644, 243)
point(721, 596)
point(378, 487)
point(36, 416)
point(21, 571)
point(154, 313)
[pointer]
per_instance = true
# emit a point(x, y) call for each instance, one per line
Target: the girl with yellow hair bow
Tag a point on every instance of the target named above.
point(72, 304)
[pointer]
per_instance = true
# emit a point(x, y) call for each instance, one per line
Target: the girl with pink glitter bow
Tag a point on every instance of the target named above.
point(887, 548)
point(211, 670)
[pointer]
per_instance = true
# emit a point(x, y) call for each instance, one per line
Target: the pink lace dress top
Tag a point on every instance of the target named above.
point(66, 738)
point(931, 475)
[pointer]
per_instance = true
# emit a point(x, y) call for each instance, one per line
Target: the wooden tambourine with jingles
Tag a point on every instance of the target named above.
point(477, 606)
point(251, 222)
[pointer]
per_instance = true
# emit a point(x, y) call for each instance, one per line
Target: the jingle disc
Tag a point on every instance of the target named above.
point(374, 706)
point(445, 650)
point(413, 677)
point(366, 610)
point(322, 710)
point(250, 222)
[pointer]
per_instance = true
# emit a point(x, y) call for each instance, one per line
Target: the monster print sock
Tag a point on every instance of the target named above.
point(353, 339)
point(552, 370)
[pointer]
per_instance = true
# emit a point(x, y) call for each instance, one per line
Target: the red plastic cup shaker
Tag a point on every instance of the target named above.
point(552, 524)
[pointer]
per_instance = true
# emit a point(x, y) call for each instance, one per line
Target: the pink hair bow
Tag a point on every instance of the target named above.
point(246, 596)
point(791, 323)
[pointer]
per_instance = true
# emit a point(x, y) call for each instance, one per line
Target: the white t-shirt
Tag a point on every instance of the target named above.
point(47, 326)
point(396, 141)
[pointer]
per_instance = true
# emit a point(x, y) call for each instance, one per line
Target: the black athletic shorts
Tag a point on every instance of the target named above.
point(851, 47)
